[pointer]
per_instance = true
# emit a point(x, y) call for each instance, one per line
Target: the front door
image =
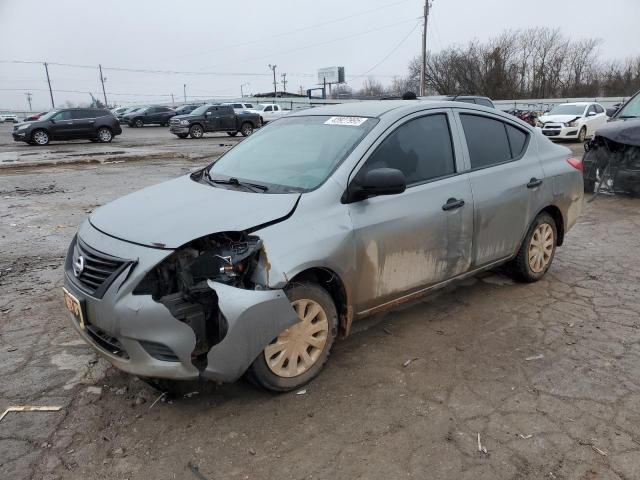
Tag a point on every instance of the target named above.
point(409, 241)
point(61, 126)
point(212, 119)
point(506, 180)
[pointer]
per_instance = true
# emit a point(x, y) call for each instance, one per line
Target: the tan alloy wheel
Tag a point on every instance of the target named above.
point(541, 247)
point(298, 348)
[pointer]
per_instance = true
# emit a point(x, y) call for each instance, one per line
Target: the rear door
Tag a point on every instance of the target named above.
point(506, 180)
point(227, 118)
point(410, 241)
point(84, 120)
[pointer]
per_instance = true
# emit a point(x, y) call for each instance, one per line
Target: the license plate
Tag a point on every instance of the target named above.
point(74, 306)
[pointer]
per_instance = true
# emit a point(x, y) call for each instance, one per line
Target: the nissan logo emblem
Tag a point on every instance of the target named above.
point(78, 266)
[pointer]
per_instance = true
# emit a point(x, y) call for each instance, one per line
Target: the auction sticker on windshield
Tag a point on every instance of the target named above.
point(348, 121)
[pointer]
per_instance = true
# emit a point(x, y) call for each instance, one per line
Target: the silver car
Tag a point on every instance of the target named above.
point(257, 262)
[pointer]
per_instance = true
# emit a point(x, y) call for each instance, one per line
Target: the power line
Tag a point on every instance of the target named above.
point(291, 32)
point(404, 39)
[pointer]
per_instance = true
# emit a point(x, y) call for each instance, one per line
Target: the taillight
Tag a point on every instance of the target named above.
point(575, 163)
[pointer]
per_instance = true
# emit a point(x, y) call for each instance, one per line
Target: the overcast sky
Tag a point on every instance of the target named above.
point(238, 39)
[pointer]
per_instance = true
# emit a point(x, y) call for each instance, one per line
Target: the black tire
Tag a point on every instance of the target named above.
point(520, 267)
point(182, 135)
point(40, 137)
point(138, 123)
point(196, 131)
point(582, 135)
point(246, 129)
point(105, 135)
point(261, 374)
point(232, 134)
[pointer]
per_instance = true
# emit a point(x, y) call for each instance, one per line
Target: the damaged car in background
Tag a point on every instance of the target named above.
point(612, 158)
point(254, 264)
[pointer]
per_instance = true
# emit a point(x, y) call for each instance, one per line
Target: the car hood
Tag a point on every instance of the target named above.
point(181, 116)
point(173, 213)
point(626, 132)
point(558, 118)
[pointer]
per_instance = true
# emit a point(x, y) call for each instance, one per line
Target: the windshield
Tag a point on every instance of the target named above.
point(296, 153)
point(631, 109)
point(200, 110)
point(48, 115)
point(567, 110)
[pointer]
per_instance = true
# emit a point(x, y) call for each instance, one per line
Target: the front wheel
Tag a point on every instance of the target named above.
point(182, 135)
point(196, 131)
point(138, 123)
point(40, 137)
point(537, 250)
point(298, 354)
point(247, 129)
point(582, 135)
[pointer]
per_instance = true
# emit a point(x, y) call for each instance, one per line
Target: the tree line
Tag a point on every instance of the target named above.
point(533, 63)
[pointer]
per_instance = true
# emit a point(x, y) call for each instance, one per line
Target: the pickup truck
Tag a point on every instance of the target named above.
point(214, 118)
point(269, 111)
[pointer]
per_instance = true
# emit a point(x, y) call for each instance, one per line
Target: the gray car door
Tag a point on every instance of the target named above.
point(421, 237)
point(506, 180)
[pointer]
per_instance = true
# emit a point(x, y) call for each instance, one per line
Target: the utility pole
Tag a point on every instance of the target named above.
point(241, 91)
point(173, 102)
point(46, 68)
point(423, 63)
point(102, 80)
point(29, 95)
point(284, 82)
point(275, 89)
point(184, 90)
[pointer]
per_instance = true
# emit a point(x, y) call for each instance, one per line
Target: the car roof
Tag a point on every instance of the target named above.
point(379, 108)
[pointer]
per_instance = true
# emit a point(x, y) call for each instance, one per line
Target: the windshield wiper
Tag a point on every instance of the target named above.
point(237, 183)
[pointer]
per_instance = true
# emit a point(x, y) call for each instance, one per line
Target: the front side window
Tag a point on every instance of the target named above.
point(237, 105)
point(420, 148)
point(592, 109)
point(295, 153)
point(599, 109)
point(248, 105)
point(491, 141)
point(268, 109)
point(64, 115)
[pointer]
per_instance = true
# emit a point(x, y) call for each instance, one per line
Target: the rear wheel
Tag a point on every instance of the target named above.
point(196, 131)
point(537, 250)
point(40, 137)
point(247, 129)
point(104, 135)
point(298, 354)
point(232, 134)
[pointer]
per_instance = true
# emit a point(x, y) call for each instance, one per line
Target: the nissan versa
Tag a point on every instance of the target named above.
point(256, 263)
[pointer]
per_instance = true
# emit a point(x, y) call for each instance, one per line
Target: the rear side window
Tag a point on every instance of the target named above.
point(420, 148)
point(484, 102)
point(491, 141)
point(517, 140)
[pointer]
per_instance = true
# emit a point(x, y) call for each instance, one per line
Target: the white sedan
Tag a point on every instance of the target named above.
point(573, 121)
point(8, 117)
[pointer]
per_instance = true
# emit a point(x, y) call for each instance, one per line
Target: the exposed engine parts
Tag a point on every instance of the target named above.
point(180, 283)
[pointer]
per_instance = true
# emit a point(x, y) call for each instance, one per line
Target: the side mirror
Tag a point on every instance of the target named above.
point(379, 181)
point(591, 114)
point(208, 114)
point(611, 111)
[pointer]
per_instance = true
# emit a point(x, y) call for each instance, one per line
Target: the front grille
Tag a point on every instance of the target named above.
point(174, 121)
point(98, 270)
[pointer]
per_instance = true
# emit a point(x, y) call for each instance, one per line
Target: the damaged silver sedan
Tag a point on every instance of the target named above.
point(256, 263)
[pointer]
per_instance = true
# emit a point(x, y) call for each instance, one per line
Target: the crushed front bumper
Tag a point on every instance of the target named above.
point(140, 336)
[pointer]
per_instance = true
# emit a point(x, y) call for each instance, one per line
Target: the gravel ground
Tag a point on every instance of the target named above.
point(548, 374)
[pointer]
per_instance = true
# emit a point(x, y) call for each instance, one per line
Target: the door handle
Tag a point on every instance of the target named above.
point(452, 204)
point(534, 182)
